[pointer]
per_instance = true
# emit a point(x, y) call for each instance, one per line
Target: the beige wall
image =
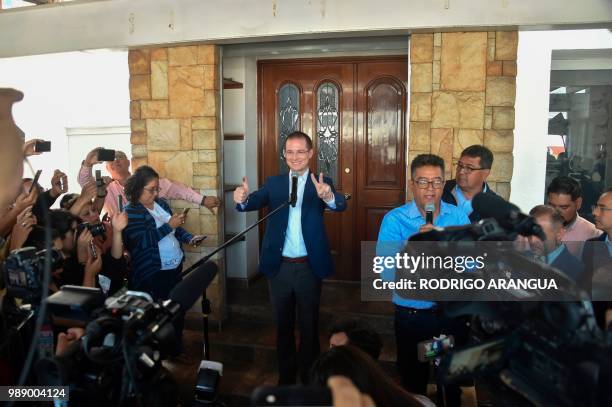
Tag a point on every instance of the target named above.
point(174, 111)
point(463, 87)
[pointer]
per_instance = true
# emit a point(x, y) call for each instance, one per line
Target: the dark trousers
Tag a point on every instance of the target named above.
point(411, 327)
point(296, 285)
point(159, 285)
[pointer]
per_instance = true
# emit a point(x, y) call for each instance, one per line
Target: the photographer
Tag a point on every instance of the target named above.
point(366, 374)
point(120, 172)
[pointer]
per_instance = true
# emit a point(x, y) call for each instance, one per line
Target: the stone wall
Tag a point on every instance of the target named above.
point(463, 87)
point(174, 111)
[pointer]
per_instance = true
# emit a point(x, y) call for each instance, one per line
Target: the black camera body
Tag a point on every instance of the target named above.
point(23, 271)
point(96, 229)
point(120, 356)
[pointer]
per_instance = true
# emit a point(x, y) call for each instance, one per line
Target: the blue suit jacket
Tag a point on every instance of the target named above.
point(568, 264)
point(273, 194)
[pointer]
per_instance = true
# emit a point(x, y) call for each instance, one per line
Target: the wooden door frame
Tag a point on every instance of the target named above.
point(293, 61)
point(262, 64)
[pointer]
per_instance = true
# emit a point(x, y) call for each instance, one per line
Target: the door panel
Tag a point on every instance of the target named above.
point(354, 109)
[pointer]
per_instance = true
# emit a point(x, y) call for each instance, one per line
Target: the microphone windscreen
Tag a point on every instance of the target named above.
point(492, 206)
point(193, 285)
point(430, 207)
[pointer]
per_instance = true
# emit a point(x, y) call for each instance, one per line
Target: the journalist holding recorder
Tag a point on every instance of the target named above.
point(153, 236)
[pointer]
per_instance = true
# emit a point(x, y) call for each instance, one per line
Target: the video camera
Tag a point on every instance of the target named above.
point(127, 336)
point(538, 352)
point(23, 270)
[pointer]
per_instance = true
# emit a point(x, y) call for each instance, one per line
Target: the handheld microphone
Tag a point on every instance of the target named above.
point(508, 215)
point(429, 211)
point(294, 187)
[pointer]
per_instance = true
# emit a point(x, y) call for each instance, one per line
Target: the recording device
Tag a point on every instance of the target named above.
point(23, 270)
point(508, 215)
point(42, 146)
point(186, 211)
point(198, 239)
point(429, 211)
point(35, 181)
point(291, 396)
point(96, 229)
point(106, 155)
point(548, 352)
point(294, 188)
point(120, 203)
point(119, 360)
point(93, 250)
point(434, 348)
point(100, 187)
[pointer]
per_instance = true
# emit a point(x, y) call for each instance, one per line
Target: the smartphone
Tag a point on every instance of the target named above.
point(106, 155)
point(185, 211)
point(42, 146)
point(35, 181)
point(198, 239)
point(291, 396)
point(120, 203)
point(92, 249)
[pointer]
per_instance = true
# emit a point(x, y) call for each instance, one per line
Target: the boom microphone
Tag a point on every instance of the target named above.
point(193, 285)
point(507, 215)
point(294, 187)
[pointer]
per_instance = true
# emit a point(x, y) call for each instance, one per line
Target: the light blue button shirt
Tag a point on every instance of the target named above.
point(294, 240)
point(401, 223)
point(464, 204)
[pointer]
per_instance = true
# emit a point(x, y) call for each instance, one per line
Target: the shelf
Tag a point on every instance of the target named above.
point(231, 136)
point(229, 83)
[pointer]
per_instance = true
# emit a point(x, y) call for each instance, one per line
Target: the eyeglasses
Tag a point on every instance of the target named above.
point(600, 208)
point(467, 168)
point(423, 183)
point(152, 190)
point(299, 153)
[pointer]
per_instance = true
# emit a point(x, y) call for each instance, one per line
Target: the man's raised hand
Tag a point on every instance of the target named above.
point(242, 192)
point(323, 190)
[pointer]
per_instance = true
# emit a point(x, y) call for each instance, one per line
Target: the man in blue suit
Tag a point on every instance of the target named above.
point(553, 251)
point(295, 252)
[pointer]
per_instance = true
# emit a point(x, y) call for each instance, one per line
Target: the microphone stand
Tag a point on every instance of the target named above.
point(232, 240)
point(206, 309)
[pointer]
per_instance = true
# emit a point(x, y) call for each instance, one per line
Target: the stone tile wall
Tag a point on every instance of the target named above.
point(174, 111)
point(463, 87)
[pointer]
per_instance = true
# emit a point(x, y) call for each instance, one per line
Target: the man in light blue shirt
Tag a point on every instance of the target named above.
point(417, 320)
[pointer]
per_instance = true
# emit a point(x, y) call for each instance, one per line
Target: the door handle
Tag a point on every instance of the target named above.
point(347, 170)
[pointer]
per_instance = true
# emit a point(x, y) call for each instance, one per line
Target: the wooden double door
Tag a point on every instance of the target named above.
point(354, 109)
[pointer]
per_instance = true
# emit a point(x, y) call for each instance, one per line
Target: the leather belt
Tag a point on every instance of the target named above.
point(302, 259)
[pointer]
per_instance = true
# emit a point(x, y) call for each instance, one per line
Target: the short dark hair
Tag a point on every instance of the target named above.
point(547, 210)
point(360, 335)
point(299, 135)
point(136, 183)
point(423, 160)
point(367, 375)
point(479, 151)
point(565, 185)
point(36, 238)
point(68, 200)
point(62, 220)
